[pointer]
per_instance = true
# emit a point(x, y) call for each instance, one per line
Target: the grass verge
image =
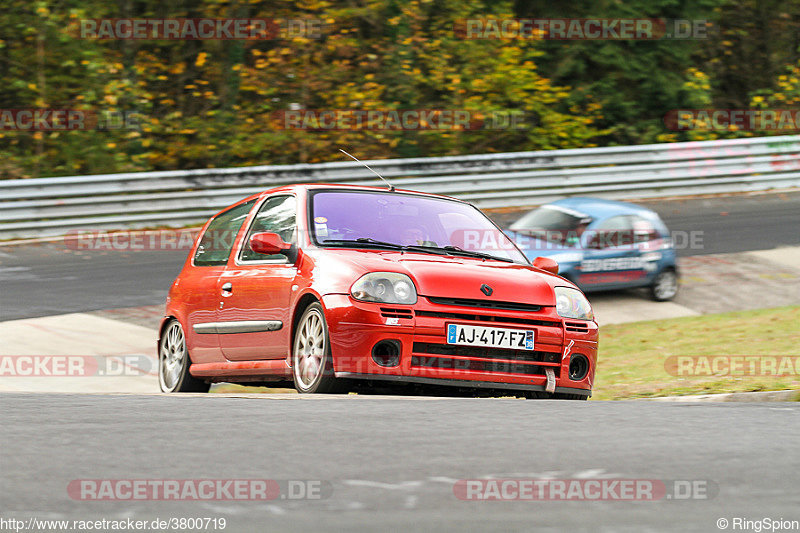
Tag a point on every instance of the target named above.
point(632, 356)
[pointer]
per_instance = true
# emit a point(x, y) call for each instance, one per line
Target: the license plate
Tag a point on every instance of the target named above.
point(512, 339)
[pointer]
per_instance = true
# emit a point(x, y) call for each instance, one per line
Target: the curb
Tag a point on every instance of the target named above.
point(763, 396)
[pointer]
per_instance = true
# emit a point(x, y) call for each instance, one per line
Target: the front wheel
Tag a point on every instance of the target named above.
point(312, 365)
point(665, 286)
point(173, 362)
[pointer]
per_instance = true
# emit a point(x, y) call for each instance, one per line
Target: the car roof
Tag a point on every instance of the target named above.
point(344, 187)
point(600, 208)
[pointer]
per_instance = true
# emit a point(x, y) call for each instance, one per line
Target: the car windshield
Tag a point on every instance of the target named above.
point(354, 218)
point(553, 223)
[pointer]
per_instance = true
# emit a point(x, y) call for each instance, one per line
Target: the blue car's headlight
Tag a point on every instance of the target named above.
point(571, 303)
point(385, 287)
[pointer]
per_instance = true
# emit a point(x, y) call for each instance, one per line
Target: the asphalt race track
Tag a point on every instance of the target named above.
point(47, 279)
point(735, 224)
point(391, 463)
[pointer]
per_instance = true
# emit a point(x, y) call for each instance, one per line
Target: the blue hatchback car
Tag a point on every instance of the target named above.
point(602, 244)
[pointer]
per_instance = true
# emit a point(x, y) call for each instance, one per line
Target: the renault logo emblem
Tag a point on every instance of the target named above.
point(487, 290)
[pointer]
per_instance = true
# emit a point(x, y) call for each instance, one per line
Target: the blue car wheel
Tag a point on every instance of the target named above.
point(665, 285)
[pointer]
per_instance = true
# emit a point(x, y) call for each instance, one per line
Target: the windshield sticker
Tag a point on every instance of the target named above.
point(320, 228)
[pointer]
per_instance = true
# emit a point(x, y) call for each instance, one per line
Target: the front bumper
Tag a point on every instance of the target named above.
point(425, 357)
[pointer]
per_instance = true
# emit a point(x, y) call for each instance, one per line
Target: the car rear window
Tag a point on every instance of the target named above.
point(217, 241)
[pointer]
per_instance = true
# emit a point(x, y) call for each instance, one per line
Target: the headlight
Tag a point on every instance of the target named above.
point(385, 287)
point(571, 303)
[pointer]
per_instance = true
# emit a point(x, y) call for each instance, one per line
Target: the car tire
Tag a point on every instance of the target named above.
point(312, 364)
point(665, 285)
point(174, 362)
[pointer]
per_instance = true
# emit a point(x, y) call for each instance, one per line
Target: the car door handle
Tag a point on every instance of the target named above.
point(227, 287)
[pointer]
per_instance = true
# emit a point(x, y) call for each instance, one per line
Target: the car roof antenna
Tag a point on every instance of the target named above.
point(391, 187)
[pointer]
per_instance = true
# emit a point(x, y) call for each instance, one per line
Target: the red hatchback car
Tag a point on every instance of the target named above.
point(335, 287)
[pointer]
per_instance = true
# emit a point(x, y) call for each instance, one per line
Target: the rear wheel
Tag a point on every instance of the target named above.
point(312, 365)
point(665, 286)
point(173, 362)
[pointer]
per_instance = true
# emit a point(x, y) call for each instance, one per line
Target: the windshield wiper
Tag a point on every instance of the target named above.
point(385, 244)
point(477, 254)
point(455, 250)
point(448, 250)
point(364, 240)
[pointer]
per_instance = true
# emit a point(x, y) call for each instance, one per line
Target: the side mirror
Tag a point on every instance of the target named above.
point(268, 243)
point(546, 264)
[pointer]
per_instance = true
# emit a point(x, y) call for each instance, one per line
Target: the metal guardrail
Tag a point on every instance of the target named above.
point(55, 206)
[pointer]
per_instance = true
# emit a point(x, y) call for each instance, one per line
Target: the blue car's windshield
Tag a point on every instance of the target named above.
point(342, 218)
point(554, 224)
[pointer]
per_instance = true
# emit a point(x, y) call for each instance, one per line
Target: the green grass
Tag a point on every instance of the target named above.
point(632, 356)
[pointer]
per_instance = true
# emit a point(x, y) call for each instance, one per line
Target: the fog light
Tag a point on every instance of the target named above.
point(387, 352)
point(578, 367)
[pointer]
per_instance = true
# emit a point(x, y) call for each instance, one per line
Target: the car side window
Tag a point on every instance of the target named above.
point(217, 241)
point(612, 233)
point(278, 214)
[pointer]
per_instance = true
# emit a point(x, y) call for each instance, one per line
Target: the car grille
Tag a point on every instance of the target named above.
point(481, 359)
point(486, 304)
point(578, 327)
point(390, 312)
point(489, 318)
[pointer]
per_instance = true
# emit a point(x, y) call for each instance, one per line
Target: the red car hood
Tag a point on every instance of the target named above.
point(449, 276)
